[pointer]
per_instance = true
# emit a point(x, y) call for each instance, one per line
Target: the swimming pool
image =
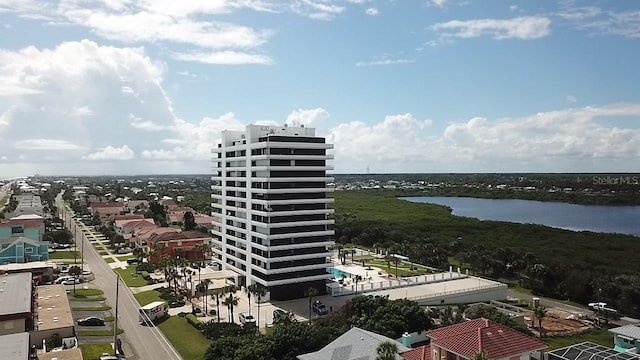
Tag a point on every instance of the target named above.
point(337, 273)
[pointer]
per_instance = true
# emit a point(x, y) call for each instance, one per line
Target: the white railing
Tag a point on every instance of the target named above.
point(368, 286)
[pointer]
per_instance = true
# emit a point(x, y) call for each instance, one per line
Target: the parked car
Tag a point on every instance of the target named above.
point(91, 321)
point(246, 318)
point(319, 308)
point(133, 261)
point(71, 281)
point(62, 279)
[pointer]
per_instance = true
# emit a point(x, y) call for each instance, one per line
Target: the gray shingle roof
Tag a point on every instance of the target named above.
point(632, 331)
point(15, 293)
point(355, 344)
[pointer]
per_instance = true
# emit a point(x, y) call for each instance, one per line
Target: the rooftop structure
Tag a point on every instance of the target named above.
point(355, 344)
point(15, 346)
point(270, 195)
point(15, 294)
point(53, 309)
point(627, 338)
point(589, 351)
point(469, 338)
point(68, 354)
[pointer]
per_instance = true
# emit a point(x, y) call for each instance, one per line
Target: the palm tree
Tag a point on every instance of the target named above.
point(387, 351)
point(357, 279)
point(138, 252)
point(540, 312)
point(311, 293)
point(205, 287)
point(231, 301)
point(388, 259)
point(396, 262)
point(217, 293)
point(258, 290)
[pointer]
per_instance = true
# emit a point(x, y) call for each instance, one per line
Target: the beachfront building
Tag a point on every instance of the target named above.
point(270, 198)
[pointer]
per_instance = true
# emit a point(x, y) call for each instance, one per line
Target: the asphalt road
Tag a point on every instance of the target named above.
point(139, 342)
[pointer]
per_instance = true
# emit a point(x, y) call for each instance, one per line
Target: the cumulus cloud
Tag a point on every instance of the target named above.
point(76, 93)
point(316, 9)
point(563, 140)
point(112, 153)
point(308, 117)
point(526, 27)
point(224, 58)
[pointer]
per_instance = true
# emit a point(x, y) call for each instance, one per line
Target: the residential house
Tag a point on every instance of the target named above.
point(466, 339)
point(627, 338)
point(141, 237)
point(355, 344)
point(206, 221)
point(133, 205)
point(176, 214)
point(178, 244)
point(106, 210)
point(28, 204)
point(127, 227)
point(30, 226)
point(22, 250)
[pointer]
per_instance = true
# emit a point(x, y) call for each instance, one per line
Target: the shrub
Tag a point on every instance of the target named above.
point(145, 275)
point(193, 321)
point(212, 312)
point(213, 330)
point(182, 314)
point(54, 341)
point(145, 266)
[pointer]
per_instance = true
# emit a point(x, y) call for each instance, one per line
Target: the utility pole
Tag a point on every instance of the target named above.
point(75, 260)
point(115, 323)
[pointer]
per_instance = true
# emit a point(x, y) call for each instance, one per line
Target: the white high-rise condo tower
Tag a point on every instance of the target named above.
point(270, 193)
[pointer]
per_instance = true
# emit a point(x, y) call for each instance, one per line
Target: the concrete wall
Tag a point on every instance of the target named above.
point(36, 337)
point(12, 326)
point(483, 294)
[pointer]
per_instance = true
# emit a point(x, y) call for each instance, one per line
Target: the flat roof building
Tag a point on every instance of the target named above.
point(14, 346)
point(273, 223)
point(52, 314)
point(15, 303)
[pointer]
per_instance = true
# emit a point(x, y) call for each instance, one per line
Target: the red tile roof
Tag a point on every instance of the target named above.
point(419, 353)
point(471, 337)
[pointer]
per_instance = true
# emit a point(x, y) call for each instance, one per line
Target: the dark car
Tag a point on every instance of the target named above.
point(319, 308)
point(133, 261)
point(91, 321)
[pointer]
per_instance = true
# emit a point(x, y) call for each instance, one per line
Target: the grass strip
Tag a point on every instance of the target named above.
point(98, 332)
point(94, 351)
point(92, 308)
point(188, 341)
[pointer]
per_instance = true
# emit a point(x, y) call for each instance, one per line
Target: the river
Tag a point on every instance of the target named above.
point(596, 218)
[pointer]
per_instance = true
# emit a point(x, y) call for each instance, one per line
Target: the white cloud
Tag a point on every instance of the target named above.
point(383, 62)
point(371, 11)
point(437, 3)
point(528, 27)
point(624, 23)
point(46, 144)
point(145, 125)
point(316, 9)
point(224, 58)
point(564, 140)
point(76, 93)
point(112, 153)
point(579, 13)
point(572, 99)
point(308, 117)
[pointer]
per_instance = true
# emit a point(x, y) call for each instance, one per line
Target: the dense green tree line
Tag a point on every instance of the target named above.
point(290, 338)
point(579, 266)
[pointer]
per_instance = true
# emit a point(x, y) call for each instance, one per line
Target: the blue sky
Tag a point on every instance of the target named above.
point(135, 87)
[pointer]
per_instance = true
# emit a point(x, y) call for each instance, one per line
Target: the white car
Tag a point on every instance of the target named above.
point(71, 281)
point(246, 318)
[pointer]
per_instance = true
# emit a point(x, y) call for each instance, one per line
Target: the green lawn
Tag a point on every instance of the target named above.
point(89, 292)
point(147, 297)
point(64, 255)
point(86, 298)
point(188, 341)
point(94, 351)
point(124, 257)
point(109, 260)
point(91, 308)
point(130, 278)
point(598, 336)
point(98, 332)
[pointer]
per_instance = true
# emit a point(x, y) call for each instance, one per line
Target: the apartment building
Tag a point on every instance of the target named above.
point(273, 223)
